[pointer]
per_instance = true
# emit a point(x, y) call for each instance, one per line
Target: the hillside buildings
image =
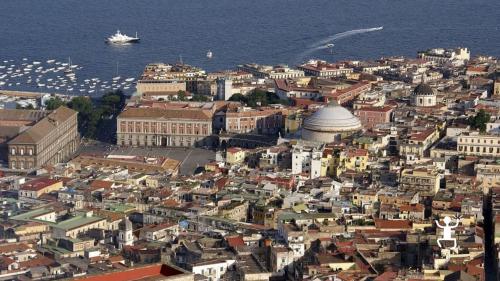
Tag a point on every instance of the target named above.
point(330, 175)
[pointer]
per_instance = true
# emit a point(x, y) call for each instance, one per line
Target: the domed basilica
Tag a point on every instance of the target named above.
point(330, 123)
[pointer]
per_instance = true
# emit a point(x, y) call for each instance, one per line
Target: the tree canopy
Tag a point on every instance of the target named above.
point(479, 121)
point(258, 97)
point(54, 103)
point(96, 118)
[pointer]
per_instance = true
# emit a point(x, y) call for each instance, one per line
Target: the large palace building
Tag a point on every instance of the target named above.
point(38, 137)
point(170, 125)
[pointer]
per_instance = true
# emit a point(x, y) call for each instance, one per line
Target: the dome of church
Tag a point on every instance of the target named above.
point(424, 96)
point(330, 123)
point(125, 224)
point(423, 90)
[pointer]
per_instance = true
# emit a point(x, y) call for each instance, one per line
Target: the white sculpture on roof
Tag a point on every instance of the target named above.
point(447, 231)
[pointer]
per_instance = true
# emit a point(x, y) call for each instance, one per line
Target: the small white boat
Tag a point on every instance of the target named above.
point(50, 61)
point(209, 54)
point(116, 78)
point(130, 79)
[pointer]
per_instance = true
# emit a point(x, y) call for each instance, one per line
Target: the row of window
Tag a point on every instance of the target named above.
point(466, 140)
point(478, 149)
point(145, 127)
point(21, 165)
point(14, 151)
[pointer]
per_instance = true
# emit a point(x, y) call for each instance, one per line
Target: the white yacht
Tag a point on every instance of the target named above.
point(209, 54)
point(119, 38)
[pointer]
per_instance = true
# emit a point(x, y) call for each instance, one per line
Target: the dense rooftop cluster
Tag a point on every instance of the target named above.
point(349, 179)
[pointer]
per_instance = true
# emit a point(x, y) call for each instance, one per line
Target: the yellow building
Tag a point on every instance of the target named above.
point(354, 159)
point(418, 142)
point(421, 179)
point(31, 228)
point(488, 175)
point(327, 165)
point(37, 187)
point(476, 144)
point(364, 197)
point(496, 88)
point(235, 155)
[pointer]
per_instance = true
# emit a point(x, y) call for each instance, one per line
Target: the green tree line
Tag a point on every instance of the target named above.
point(94, 116)
point(258, 97)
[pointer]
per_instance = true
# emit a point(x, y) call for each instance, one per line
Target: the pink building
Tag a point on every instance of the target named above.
point(371, 116)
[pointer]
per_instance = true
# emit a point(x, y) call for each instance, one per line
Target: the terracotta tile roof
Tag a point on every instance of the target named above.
point(22, 115)
point(235, 241)
point(38, 261)
point(115, 259)
point(45, 126)
point(149, 272)
point(387, 276)
point(392, 224)
point(412, 208)
point(376, 108)
point(422, 135)
point(158, 113)
point(234, 149)
point(101, 184)
point(38, 184)
point(13, 247)
point(358, 152)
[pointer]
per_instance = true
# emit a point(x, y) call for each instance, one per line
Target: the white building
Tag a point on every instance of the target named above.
point(213, 269)
point(125, 236)
point(456, 56)
point(306, 160)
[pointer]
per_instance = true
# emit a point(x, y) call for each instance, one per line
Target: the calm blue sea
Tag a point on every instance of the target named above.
point(237, 31)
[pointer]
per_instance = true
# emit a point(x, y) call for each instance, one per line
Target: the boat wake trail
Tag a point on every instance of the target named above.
point(345, 34)
point(321, 44)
